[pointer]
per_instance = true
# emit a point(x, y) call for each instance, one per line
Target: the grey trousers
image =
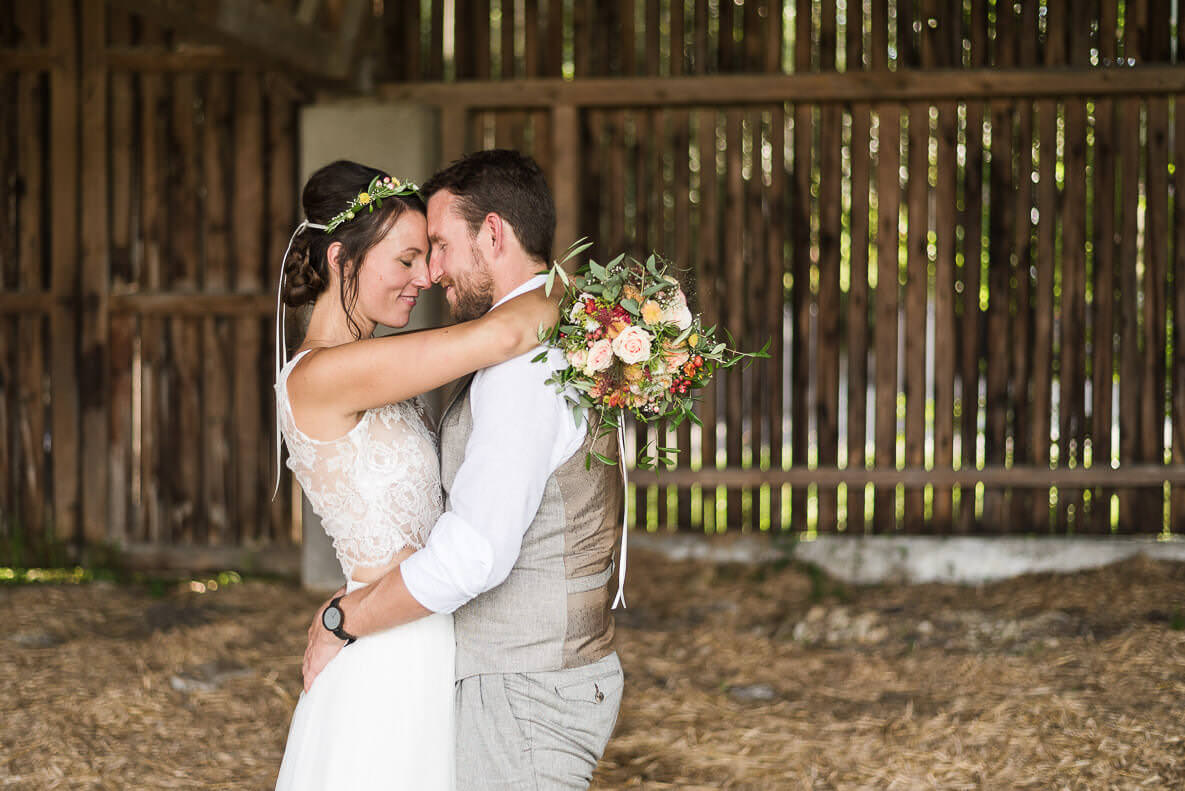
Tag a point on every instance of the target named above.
point(536, 731)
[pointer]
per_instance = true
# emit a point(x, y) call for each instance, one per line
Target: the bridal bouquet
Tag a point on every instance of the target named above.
point(632, 346)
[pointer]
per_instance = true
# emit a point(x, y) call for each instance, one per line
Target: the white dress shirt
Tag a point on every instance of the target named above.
point(523, 430)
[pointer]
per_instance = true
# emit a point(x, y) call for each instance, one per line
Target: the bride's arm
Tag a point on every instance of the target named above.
point(357, 376)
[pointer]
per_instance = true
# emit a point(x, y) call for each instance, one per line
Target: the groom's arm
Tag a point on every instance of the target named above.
point(522, 431)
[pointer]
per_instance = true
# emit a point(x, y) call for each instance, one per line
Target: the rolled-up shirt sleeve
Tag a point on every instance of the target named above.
point(523, 430)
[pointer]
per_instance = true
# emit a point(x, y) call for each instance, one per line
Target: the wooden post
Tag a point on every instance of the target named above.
point(63, 170)
point(888, 199)
point(775, 251)
point(283, 191)
point(30, 350)
point(828, 340)
point(121, 512)
point(565, 138)
point(857, 315)
point(187, 512)
point(800, 227)
point(249, 388)
point(916, 287)
point(942, 46)
point(153, 224)
point(1177, 502)
point(217, 341)
point(1103, 364)
point(972, 321)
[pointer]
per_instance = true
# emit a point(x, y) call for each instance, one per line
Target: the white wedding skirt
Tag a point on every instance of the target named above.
point(379, 716)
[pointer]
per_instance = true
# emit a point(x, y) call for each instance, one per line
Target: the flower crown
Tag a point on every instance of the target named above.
point(380, 187)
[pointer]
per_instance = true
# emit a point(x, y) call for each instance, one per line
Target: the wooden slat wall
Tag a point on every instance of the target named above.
point(117, 427)
point(946, 284)
point(945, 261)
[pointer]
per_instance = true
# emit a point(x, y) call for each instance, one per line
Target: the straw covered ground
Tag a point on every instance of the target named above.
point(738, 677)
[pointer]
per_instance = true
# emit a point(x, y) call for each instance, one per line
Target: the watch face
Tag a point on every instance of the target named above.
point(332, 618)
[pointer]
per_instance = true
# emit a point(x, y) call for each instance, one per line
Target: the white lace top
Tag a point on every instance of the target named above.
point(377, 488)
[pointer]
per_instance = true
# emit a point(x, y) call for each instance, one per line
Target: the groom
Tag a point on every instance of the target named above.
point(523, 555)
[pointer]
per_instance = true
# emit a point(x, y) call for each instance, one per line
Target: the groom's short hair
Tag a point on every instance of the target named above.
point(508, 183)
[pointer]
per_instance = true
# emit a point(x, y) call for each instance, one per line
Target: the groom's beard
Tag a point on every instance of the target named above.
point(474, 294)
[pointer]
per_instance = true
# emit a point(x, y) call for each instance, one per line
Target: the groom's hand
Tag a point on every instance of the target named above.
point(323, 645)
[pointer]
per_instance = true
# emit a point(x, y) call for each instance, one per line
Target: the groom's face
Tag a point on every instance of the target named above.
point(456, 263)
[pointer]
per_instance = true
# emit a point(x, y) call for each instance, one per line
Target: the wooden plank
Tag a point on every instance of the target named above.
point(30, 59)
point(187, 522)
point(1072, 367)
point(30, 351)
point(153, 224)
point(733, 285)
point(681, 248)
point(252, 29)
point(217, 340)
point(971, 324)
point(828, 341)
point(122, 511)
point(942, 46)
point(1021, 375)
point(10, 153)
point(916, 283)
point(1027, 476)
point(707, 250)
point(756, 327)
point(435, 70)
point(554, 62)
point(857, 313)
point(732, 90)
point(800, 262)
point(1177, 493)
point(1047, 222)
point(1156, 236)
point(776, 253)
point(1103, 363)
point(283, 188)
point(94, 279)
point(1001, 222)
point(63, 167)
point(247, 231)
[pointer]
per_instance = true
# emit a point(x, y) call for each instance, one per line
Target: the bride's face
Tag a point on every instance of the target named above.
point(394, 272)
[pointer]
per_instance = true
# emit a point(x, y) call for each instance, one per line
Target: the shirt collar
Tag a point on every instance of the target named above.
point(533, 283)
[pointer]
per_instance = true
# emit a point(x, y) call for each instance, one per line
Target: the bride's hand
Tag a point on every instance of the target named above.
point(524, 315)
point(322, 646)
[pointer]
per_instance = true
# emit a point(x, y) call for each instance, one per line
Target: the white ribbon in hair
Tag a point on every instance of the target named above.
point(625, 528)
point(282, 343)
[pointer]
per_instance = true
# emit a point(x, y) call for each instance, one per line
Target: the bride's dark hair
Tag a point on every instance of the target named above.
point(327, 193)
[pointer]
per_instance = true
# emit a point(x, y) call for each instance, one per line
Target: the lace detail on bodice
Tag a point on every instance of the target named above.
point(376, 488)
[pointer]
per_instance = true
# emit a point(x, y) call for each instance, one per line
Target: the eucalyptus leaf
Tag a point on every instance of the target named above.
point(631, 306)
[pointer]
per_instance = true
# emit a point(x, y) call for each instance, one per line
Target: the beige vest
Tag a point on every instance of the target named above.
point(552, 612)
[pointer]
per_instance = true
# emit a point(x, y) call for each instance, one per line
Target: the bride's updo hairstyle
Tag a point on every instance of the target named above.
point(327, 193)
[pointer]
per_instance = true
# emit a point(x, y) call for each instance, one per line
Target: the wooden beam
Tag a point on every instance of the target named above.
point(146, 303)
point(905, 85)
point(250, 28)
point(183, 58)
point(1148, 475)
point(30, 59)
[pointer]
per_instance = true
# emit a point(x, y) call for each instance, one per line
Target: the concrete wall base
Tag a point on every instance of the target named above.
point(866, 560)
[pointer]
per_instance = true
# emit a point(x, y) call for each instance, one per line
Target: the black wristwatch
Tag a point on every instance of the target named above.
point(334, 620)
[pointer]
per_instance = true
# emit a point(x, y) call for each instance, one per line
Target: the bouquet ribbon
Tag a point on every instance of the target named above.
point(625, 529)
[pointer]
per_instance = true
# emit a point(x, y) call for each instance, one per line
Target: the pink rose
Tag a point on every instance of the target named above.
point(600, 355)
point(632, 345)
point(577, 358)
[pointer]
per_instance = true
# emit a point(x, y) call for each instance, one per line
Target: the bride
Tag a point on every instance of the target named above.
point(381, 713)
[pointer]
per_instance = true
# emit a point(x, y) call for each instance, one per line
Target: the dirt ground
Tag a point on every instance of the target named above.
point(738, 677)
